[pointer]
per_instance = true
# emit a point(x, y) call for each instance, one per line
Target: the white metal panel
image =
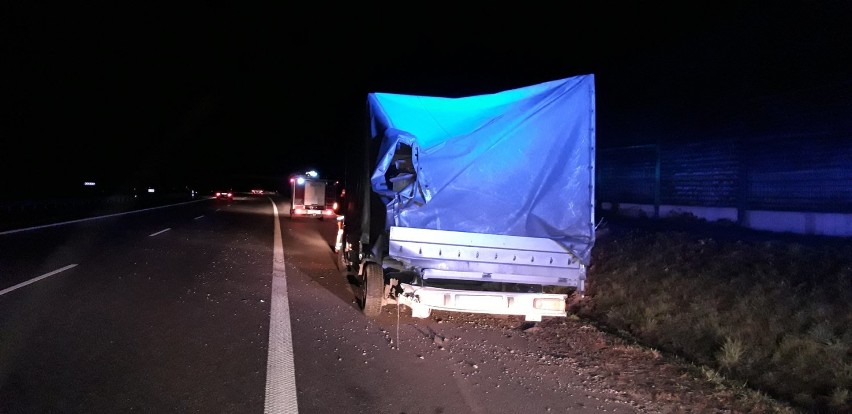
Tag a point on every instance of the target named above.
point(497, 241)
point(496, 303)
point(314, 193)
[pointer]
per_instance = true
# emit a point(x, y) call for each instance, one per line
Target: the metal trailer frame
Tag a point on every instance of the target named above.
point(450, 255)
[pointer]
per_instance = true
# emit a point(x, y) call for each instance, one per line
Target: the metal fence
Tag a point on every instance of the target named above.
point(779, 173)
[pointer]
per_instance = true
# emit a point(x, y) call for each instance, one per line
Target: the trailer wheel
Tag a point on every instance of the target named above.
point(373, 287)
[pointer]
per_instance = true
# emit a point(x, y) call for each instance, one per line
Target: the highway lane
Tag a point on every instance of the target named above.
point(147, 320)
point(168, 310)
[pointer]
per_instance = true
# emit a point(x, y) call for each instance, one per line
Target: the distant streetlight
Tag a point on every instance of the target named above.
point(89, 183)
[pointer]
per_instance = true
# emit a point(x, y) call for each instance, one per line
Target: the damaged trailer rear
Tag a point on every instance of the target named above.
point(479, 204)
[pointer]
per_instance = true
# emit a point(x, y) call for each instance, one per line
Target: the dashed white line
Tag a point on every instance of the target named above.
point(199, 217)
point(159, 232)
point(280, 370)
point(92, 218)
point(36, 279)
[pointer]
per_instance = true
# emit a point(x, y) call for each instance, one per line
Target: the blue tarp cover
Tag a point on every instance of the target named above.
point(518, 162)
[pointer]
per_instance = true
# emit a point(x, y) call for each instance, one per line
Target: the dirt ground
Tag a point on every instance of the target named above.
point(646, 379)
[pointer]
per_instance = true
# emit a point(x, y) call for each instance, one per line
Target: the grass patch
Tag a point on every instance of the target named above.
point(774, 312)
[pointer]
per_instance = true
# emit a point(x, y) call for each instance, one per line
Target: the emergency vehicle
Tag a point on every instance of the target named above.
point(311, 196)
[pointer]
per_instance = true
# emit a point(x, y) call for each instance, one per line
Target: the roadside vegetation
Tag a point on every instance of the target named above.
point(772, 313)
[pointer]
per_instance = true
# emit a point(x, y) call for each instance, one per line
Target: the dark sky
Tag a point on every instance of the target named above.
point(223, 91)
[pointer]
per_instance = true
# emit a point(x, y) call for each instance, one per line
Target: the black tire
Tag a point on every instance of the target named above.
point(373, 286)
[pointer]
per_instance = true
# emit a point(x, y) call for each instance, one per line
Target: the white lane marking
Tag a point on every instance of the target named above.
point(199, 217)
point(280, 370)
point(159, 232)
point(35, 279)
point(92, 218)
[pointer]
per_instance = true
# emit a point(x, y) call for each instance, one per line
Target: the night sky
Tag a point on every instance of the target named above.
point(213, 94)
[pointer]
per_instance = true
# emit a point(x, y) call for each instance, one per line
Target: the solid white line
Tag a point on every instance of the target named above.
point(159, 232)
point(199, 217)
point(93, 218)
point(280, 370)
point(36, 279)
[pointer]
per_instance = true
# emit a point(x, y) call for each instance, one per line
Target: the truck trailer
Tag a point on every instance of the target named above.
point(476, 204)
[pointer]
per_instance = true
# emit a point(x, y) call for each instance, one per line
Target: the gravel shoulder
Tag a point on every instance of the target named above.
point(567, 365)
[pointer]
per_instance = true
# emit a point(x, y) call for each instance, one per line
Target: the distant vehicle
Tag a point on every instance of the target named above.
point(224, 195)
point(311, 196)
point(257, 191)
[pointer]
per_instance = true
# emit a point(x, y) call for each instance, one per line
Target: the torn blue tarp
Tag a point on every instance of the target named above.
point(518, 162)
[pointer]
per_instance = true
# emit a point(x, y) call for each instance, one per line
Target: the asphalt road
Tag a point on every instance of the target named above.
point(207, 307)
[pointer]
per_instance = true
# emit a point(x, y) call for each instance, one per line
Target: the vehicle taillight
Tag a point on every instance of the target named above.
point(299, 211)
point(549, 304)
point(328, 212)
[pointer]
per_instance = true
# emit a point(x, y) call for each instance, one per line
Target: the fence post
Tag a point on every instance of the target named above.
point(742, 184)
point(657, 181)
